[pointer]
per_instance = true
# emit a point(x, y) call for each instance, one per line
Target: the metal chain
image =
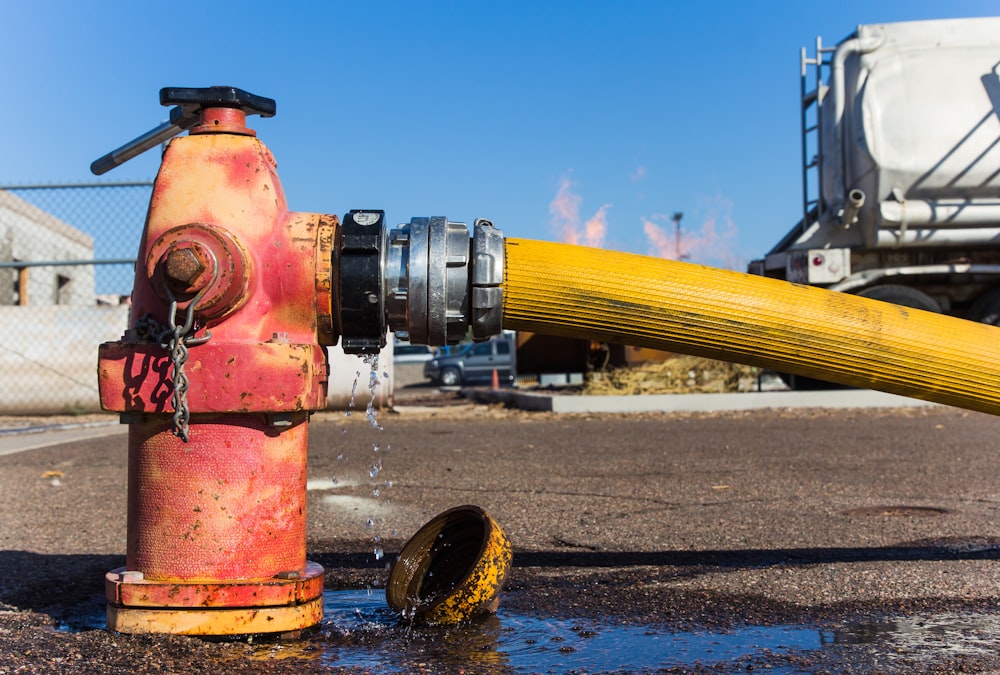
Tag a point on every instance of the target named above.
point(176, 340)
point(178, 357)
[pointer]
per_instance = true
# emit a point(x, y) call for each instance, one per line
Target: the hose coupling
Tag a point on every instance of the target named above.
point(427, 281)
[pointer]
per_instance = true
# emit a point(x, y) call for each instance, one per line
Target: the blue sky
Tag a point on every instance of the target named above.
point(544, 116)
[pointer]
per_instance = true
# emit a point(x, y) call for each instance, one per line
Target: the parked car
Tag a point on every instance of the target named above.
point(474, 362)
point(403, 352)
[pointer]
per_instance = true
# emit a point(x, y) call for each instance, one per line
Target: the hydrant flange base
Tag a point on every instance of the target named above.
point(273, 605)
point(298, 587)
point(210, 622)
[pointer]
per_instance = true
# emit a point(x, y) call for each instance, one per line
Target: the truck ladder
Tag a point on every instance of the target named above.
point(812, 120)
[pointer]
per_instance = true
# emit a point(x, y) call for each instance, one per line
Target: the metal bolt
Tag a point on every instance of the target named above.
point(130, 576)
point(290, 574)
point(183, 265)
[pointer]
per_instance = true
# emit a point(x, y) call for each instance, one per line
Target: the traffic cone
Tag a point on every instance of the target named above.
point(495, 384)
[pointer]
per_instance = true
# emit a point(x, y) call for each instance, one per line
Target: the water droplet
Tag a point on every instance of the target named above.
point(354, 391)
point(373, 383)
point(369, 524)
point(376, 493)
point(379, 553)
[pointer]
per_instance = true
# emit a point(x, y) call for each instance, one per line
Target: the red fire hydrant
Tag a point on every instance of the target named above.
point(234, 303)
point(216, 377)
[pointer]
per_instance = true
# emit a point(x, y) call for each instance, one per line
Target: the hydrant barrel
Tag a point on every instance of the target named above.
point(229, 506)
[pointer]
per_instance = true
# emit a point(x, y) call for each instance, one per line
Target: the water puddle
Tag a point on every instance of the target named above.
point(359, 631)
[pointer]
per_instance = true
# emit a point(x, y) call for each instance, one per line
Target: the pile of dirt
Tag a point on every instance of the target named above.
point(676, 375)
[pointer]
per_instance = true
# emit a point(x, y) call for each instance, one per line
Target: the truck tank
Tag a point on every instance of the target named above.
point(901, 168)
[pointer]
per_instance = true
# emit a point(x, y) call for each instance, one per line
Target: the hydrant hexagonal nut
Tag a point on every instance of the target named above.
point(183, 266)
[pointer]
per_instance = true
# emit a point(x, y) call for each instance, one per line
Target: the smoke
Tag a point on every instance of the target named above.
point(595, 228)
point(711, 242)
point(564, 210)
point(660, 243)
point(708, 237)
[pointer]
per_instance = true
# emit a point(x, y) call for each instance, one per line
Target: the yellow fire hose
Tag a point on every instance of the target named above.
point(579, 292)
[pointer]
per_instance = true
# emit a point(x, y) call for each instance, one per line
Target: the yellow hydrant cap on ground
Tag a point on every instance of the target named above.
point(452, 569)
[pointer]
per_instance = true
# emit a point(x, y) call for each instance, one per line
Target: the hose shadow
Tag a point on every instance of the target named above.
point(965, 549)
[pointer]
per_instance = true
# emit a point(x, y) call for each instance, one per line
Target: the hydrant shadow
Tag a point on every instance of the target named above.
point(67, 587)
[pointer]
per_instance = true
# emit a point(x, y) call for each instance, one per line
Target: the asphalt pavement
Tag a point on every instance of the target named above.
point(852, 523)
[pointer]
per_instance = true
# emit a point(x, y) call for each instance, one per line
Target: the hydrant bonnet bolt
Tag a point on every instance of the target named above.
point(184, 265)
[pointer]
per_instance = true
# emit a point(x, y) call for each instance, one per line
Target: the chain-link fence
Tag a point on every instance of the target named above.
point(66, 272)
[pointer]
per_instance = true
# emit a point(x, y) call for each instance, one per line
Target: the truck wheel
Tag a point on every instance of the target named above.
point(902, 295)
point(451, 377)
point(986, 308)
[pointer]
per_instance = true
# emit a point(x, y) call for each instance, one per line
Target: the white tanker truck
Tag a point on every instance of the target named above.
point(901, 168)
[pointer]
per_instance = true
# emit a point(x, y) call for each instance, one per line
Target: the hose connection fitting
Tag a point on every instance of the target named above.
point(427, 281)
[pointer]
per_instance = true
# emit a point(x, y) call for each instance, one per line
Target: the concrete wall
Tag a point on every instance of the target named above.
point(48, 356)
point(48, 361)
point(29, 234)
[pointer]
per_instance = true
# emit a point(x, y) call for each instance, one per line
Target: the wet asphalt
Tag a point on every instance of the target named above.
point(684, 521)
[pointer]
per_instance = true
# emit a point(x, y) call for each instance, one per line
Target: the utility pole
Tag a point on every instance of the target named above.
point(677, 235)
